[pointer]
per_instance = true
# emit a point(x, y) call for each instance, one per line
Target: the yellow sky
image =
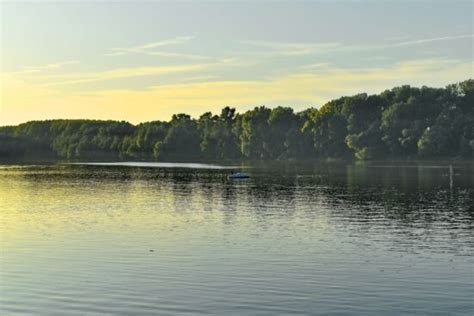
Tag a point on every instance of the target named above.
point(49, 98)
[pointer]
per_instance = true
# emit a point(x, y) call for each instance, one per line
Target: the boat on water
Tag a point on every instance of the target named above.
point(239, 175)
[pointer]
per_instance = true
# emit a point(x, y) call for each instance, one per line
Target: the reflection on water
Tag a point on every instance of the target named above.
point(315, 238)
point(155, 165)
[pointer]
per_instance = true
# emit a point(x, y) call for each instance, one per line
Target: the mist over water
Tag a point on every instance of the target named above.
point(295, 238)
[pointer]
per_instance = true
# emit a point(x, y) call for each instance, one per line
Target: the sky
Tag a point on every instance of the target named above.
point(146, 60)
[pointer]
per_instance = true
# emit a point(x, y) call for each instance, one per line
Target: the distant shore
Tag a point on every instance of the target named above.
point(404, 123)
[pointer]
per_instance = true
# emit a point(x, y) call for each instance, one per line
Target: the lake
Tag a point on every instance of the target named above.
point(171, 239)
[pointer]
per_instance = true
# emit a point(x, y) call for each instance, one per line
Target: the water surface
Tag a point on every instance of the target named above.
point(174, 165)
point(324, 238)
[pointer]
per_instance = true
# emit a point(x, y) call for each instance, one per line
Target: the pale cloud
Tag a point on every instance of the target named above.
point(291, 49)
point(150, 49)
point(402, 70)
point(316, 66)
point(46, 67)
point(434, 39)
point(310, 48)
point(169, 54)
point(145, 47)
point(74, 78)
point(269, 48)
point(121, 73)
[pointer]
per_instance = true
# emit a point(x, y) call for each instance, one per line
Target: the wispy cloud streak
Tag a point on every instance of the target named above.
point(292, 49)
point(150, 49)
point(55, 80)
point(47, 67)
point(302, 49)
point(434, 39)
point(120, 74)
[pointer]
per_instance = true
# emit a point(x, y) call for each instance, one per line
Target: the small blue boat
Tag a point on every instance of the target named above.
point(239, 175)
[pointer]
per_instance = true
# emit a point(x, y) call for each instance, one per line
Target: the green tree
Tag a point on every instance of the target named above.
point(363, 115)
point(328, 128)
point(182, 142)
point(218, 141)
point(255, 133)
point(404, 122)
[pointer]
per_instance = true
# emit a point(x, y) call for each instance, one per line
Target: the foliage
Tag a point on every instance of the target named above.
point(181, 141)
point(403, 123)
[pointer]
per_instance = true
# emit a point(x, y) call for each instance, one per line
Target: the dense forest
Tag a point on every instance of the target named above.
point(402, 123)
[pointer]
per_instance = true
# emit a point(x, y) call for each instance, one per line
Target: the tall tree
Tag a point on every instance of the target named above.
point(255, 134)
point(181, 142)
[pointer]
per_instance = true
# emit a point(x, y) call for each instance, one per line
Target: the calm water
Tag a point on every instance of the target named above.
point(300, 239)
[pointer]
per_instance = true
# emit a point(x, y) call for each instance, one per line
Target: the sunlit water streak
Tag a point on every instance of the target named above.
point(301, 239)
point(154, 165)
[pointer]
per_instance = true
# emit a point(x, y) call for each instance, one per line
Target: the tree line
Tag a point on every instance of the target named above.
point(402, 123)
